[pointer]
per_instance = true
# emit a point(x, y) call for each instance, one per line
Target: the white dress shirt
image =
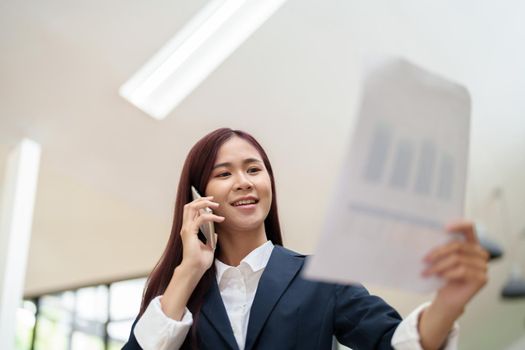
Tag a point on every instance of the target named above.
point(237, 286)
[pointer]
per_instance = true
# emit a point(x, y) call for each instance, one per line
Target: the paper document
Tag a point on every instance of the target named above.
point(403, 179)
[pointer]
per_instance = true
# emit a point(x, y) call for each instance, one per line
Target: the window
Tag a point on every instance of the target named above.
point(88, 318)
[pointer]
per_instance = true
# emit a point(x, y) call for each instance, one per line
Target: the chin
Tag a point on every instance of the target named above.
point(244, 226)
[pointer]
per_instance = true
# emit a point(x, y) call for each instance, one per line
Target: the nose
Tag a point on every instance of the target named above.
point(243, 182)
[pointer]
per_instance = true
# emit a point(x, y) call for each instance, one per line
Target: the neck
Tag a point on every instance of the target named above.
point(236, 245)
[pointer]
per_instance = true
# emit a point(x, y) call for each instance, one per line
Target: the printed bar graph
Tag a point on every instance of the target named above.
point(408, 165)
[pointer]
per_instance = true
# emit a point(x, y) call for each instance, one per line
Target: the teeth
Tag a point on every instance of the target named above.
point(244, 202)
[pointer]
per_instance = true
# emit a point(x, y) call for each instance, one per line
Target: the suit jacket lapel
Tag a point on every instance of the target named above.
point(281, 269)
point(214, 310)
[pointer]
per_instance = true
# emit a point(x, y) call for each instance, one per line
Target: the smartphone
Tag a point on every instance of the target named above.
point(207, 229)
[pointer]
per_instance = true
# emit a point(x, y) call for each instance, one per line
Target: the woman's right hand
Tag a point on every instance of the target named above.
point(196, 254)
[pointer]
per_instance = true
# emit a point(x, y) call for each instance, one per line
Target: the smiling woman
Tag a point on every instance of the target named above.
point(207, 163)
point(241, 185)
point(248, 293)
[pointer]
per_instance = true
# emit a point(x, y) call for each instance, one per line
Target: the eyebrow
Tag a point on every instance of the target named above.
point(246, 161)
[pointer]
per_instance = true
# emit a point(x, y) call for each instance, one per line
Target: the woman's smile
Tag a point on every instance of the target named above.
point(245, 202)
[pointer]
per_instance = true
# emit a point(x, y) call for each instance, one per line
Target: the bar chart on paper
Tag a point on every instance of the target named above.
point(402, 180)
point(407, 166)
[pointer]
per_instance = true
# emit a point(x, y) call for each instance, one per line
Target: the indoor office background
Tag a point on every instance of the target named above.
point(108, 172)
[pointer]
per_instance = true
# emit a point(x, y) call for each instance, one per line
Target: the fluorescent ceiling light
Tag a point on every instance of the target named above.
point(194, 52)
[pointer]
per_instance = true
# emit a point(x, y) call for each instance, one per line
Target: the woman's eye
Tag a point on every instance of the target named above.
point(224, 174)
point(254, 170)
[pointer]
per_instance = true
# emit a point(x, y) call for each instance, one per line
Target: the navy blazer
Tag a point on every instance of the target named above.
point(289, 312)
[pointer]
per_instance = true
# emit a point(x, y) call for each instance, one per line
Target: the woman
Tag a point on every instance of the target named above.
point(251, 277)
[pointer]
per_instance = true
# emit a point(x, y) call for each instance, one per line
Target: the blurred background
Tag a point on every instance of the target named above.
point(108, 172)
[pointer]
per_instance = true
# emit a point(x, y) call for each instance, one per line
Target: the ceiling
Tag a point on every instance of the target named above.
point(292, 84)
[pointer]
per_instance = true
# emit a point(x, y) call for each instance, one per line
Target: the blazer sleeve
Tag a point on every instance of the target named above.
point(363, 321)
point(132, 343)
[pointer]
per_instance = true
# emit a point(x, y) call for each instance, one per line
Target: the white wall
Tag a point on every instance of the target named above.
point(82, 235)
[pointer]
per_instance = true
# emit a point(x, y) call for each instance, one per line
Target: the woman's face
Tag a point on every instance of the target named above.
point(241, 184)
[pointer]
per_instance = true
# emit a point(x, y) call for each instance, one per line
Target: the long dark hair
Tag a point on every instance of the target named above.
point(197, 171)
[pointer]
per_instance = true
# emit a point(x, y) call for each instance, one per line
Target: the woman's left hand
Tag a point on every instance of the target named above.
point(463, 267)
point(461, 264)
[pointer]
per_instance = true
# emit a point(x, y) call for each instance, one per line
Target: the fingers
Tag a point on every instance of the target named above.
point(460, 268)
point(459, 260)
point(463, 273)
point(443, 266)
point(194, 215)
point(456, 247)
point(192, 209)
point(207, 217)
point(469, 247)
point(195, 206)
point(465, 228)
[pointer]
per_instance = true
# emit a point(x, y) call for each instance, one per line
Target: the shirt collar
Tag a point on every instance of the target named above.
point(256, 260)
